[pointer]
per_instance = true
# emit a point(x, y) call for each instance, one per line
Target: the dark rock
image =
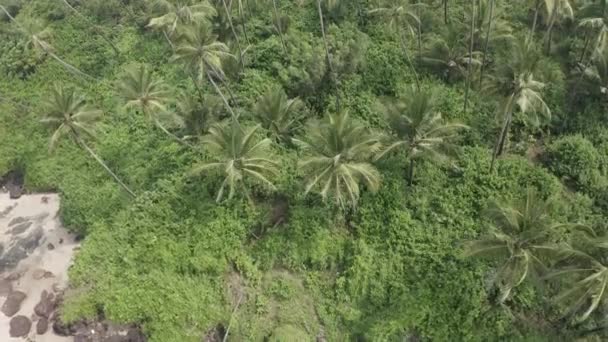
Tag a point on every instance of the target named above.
point(20, 326)
point(50, 246)
point(136, 335)
point(21, 249)
point(40, 274)
point(7, 210)
point(62, 329)
point(5, 287)
point(20, 228)
point(12, 304)
point(13, 276)
point(42, 326)
point(280, 210)
point(17, 220)
point(46, 306)
point(60, 240)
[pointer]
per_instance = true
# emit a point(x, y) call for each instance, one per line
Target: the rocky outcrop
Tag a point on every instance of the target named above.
point(46, 306)
point(12, 304)
point(42, 326)
point(20, 248)
point(20, 326)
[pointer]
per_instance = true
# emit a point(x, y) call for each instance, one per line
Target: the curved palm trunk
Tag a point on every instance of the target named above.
point(329, 65)
point(95, 27)
point(168, 39)
point(487, 42)
point(585, 46)
point(162, 127)
point(535, 21)
point(550, 29)
point(445, 11)
point(217, 89)
point(242, 18)
point(278, 25)
point(407, 57)
point(236, 37)
point(410, 173)
point(102, 163)
point(470, 65)
point(69, 66)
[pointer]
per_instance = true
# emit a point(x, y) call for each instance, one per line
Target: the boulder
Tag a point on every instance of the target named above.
point(20, 326)
point(42, 326)
point(46, 306)
point(12, 304)
point(20, 228)
point(5, 287)
point(21, 249)
point(17, 220)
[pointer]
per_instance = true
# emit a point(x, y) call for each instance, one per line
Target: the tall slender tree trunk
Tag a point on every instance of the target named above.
point(278, 25)
point(487, 42)
point(585, 46)
point(470, 64)
point(410, 172)
point(550, 29)
point(236, 37)
point(329, 64)
point(407, 57)
point(535, 21)
point(95, 27)
point(242, 18)
point(168, 39)
point(445, 12)
point(419, 30)
point(504, 132)
point(69, 66)
point(217, 89)
point(102, 163)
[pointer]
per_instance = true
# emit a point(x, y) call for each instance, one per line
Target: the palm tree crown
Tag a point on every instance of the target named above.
point(519, 236)
point(278, 114)
point(239, 156)
point(338, 154)
point(139, 88)
point(181, 11)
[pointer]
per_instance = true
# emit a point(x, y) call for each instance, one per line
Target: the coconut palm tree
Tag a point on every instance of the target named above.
point(594, 20)
point(278, 114)
point(234, 34)
point(419, 129)
point(239, 156)
point(595, 76)
point(179, 12)
point(558, 11)
point(198, 115)
point(447, 54)
point(140, 89)
point(470, 57)
point(198, 49)
point(514, 81)
point(520, 238)
point(400, 17)
point(585, 264)
point(38, 34)
point(492, 31)
point(277, 23)
point(338, 153)
point(95, 28)
point(68, 115)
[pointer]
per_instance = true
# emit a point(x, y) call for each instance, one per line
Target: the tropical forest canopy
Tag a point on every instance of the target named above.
point(330, 170)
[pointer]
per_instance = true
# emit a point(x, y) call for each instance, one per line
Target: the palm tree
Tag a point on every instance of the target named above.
point(448, 55)
point(198, 116)
point(38, 34)
point(239, 156)
point(594, 19)
point(199, 50)
point(140, 89)
point(514, 81)
point(595, 76)
point(338, 154)
point(402, 19)
point(519, 238)
point(68, 115)
point(179, 12)
point(585, 265)
point(95, 28)
point(236, 36)
point(332, 72)
point(559, 10)
point(277, 21)
point(278, 114)
point(419, 129)
point(470, 57)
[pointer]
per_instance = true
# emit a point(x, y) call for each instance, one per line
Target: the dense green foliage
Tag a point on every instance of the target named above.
point(272, 163)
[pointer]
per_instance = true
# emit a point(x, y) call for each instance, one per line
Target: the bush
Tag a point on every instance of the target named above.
point(574, 158)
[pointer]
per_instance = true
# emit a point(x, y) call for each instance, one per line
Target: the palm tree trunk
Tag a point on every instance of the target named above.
point(502, 137)
point(95, 27)
point(102, 163)
point(278, 24)
point(407, 57)
point(236, 37)
point(217, 89)
point(587, 40)
point(419, 30)
point(329, 65)
point(242, 18)
point(162, 127)
point(69, 66)
point(410, 173)
point(168, 39)
point(550, 29)
point(445, 11)
point(470, 64)
point(487, 42)
point(535, 21)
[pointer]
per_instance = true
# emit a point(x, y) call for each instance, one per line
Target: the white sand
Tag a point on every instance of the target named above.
point(42, 211)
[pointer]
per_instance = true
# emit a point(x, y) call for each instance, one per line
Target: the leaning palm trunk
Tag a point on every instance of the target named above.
point(278, 24)
point(535, 21)
point(242, 18)
point(550, 29)
point(585, 46)
point(236, 37)
point(95, 28)
point(217, 89)
point(329, 65)
point(410, 173)
point(407, 58)
point(502, 137)
point(486, 43)
point(470, 65)
point(102, 163)
point(445, 11)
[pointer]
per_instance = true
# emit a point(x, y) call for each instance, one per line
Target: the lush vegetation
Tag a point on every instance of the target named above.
point(343, 170)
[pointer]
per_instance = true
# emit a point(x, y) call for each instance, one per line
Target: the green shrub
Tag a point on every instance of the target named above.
point(573, 158)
